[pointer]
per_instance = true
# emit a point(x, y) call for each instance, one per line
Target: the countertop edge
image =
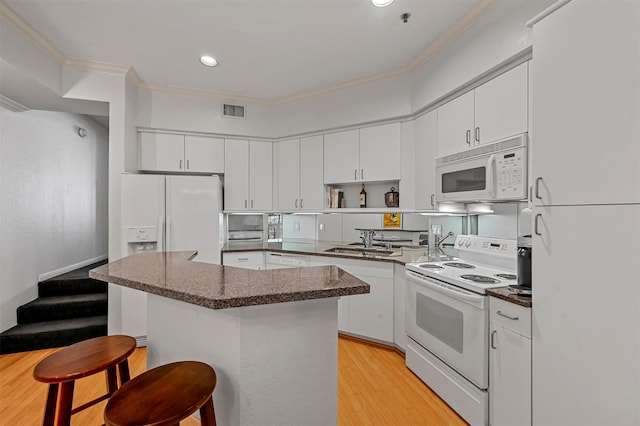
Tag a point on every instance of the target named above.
point(504, 293)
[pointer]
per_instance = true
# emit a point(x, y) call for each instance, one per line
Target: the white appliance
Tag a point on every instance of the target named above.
point(167, 213)
point(447, 321)
point(490, 172)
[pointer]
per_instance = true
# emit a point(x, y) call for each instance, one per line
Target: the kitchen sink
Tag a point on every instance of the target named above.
point(361, 251)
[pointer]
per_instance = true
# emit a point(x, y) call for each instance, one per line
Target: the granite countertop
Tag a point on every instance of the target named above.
point(505, 293)
point(175, 276)
point(401, 255)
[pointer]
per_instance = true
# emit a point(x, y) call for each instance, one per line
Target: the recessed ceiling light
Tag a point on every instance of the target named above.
point(208, 61)
point(381, 3)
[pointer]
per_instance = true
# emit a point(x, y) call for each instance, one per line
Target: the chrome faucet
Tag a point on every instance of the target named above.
point(439, 240)
point(367, 238)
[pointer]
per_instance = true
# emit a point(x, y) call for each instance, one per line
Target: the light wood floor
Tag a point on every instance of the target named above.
point(374, 388)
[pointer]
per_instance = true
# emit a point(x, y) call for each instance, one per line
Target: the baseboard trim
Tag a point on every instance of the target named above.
point(51, 274)
point(141, 341)
point(371, 343)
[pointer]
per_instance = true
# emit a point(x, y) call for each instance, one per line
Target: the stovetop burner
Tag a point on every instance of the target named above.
point(429, 266)
point(479, 279)
point(507, 276)
point(460, 265)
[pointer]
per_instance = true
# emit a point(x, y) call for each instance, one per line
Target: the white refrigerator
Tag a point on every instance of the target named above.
point(167, 213)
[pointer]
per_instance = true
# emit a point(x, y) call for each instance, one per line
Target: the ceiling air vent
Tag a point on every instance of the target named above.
point(236, 111)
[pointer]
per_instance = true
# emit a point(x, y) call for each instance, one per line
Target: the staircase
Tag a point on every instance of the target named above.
point(70, 308)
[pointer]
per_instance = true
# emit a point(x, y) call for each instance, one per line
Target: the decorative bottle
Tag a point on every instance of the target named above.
point(363, 198)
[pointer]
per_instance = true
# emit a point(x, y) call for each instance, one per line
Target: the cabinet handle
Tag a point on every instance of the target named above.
point(432, 200)
point(468, 137)
point(478, 134)
point(507, 316)
point(240, 259)
point(301, 206)
point(180, 164)
point(538, 180)
point(361, 174)
point(535, 225)
point(355, 174)
point(493, 335)
point(245, 204)
point(296, 203)
point(188, 164)
point(251, 203)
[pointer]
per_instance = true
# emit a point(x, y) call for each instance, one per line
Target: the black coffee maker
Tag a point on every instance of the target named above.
point(524, 257)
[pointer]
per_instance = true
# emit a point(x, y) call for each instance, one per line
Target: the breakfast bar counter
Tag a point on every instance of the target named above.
point(271, 336)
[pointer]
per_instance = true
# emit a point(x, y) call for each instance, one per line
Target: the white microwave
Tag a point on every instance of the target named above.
point(495, 171)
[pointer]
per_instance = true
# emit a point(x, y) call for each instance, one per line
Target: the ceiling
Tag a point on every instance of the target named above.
point(269, 50)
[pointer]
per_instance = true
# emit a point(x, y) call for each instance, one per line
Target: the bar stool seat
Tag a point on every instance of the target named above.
point(63, 368)
point(164, 395)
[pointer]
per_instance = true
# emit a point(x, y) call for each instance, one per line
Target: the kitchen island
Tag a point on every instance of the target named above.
point(270, 335)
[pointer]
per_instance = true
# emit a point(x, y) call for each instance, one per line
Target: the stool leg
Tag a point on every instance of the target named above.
point(50, 407)
point(207, 414)
point(112, 380)
point(123, 367)
point(64, 405)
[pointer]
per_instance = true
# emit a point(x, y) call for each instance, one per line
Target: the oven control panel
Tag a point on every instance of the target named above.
point(486, 245)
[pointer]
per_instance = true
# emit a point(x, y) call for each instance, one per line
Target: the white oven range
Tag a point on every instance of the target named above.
point(447, 321)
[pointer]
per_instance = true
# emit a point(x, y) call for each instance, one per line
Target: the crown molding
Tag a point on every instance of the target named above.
point(548, 11)
point(12, 105)
point(480, 9)
point(30, 33)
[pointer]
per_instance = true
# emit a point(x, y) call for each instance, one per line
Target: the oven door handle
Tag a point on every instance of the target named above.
point(491, 173)
point(456, 294)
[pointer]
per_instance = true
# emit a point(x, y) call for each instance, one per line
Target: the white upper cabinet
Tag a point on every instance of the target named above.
point(426, 134)
point(380, 152)
point(204, 154)
point(342, 157)
point(455, 125)
point(586, 106)
point(179, 153)
point(248, 177)
point(493, 111)
point(311, 173)
point(501, 106)
point(365, 155)
point(300, 174)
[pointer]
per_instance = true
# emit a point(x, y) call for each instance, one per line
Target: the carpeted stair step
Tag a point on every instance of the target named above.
point(63, 287)
point(63, 307)
point(51, 334)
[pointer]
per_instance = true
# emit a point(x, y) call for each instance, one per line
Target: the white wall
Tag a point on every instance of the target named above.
point(53, 209)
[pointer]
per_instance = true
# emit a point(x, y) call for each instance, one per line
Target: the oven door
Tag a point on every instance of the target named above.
point(450, 322)
point(470, 179)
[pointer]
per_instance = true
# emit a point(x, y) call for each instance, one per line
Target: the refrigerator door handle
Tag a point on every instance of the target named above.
point(167, 238)
point(160, 244)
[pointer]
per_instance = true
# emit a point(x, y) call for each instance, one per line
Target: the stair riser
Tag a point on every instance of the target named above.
point(55, 339)
point(30, 314)
point(55, 287)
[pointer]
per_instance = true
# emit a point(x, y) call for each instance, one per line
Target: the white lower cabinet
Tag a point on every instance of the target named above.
point(509, 364)
point(399, 292)
point(245, 259)
point(369, 316)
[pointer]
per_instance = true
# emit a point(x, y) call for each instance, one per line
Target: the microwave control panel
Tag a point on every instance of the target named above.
point(511, 174)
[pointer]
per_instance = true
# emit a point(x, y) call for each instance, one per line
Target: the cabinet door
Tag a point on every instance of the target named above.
point(399, 294)
point(341, 157)
point(585, 310)
point(501, 106)
point(455, 125)
point(426, 130)
point(247, 260)
point(204, 154)
point(380, 152)
point(586, 104)
point(371, 315)
point(236, 176)
point(288, 174)
point(311, 173)
point(509, 378)
point(261, 176)
point(161, 152)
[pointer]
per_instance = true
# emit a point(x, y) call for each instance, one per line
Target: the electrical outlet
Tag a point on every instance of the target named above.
point(436, 229)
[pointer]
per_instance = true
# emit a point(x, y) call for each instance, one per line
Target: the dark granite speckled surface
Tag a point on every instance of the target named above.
point(505, 293)
point(175, 276)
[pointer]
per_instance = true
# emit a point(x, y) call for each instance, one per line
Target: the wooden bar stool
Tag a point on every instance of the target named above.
point(61, 369)
point(164, 395)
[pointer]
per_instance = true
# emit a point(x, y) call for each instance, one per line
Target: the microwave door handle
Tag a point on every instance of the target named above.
point(491, 172)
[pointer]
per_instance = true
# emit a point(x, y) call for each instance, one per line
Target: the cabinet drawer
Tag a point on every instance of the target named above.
point(250, 260)
point(509, 315)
